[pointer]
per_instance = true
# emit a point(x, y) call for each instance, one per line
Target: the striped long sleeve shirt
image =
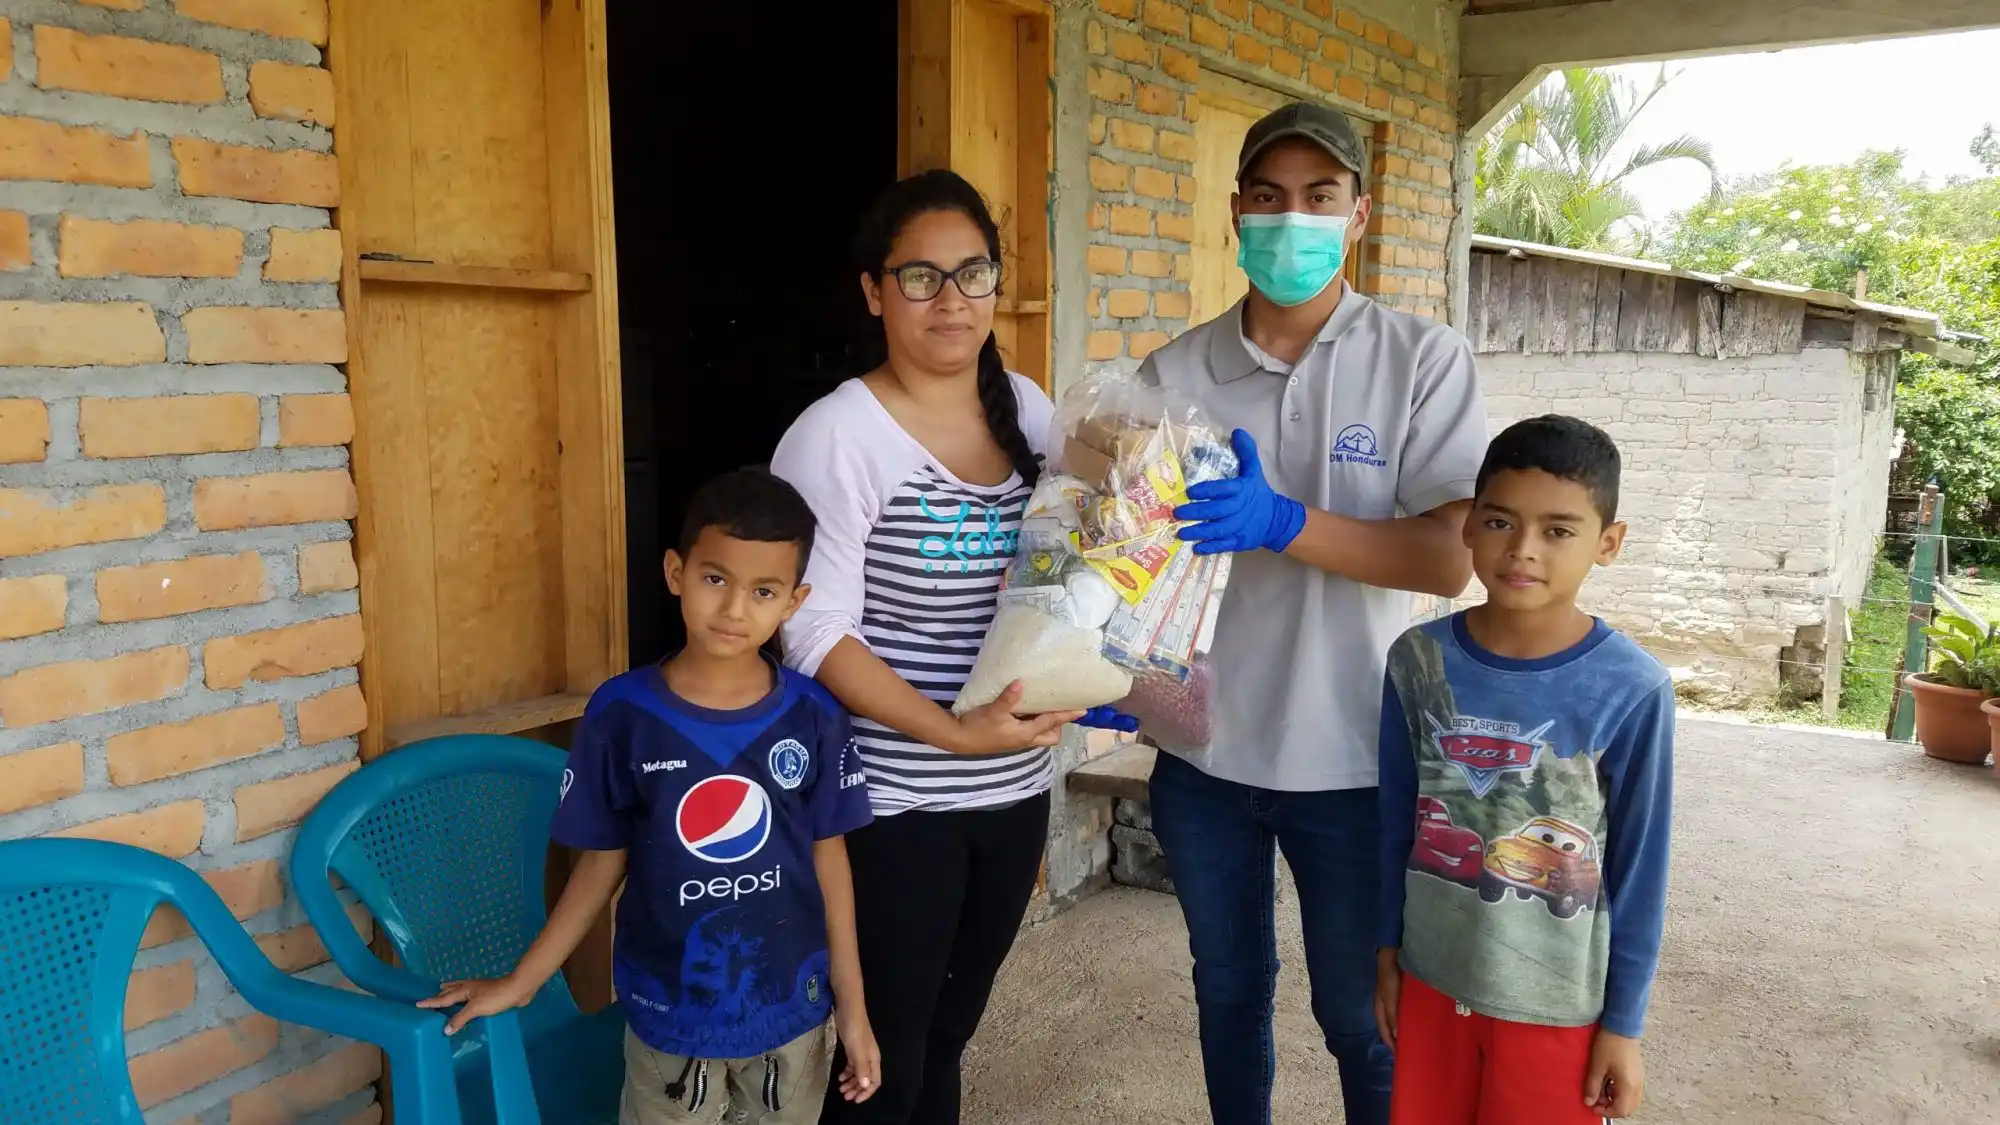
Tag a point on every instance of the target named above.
point(908, 560)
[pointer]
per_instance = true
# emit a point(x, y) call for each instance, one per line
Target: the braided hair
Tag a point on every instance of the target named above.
point(944, 190)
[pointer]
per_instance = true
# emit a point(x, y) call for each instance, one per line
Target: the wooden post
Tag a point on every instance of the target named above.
point(1835, 659)
point(1923, 586)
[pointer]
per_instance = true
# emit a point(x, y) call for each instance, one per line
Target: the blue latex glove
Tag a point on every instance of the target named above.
point(1242, 513)
point(1109, 718)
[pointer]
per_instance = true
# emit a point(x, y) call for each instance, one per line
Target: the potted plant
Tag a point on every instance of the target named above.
point(1950, 722)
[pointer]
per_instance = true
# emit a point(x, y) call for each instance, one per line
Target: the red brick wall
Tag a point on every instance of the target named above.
point(178, 618)
point(1146, 59)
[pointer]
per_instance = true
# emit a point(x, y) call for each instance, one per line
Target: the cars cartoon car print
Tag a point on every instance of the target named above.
point(1549, 859)
point(1444, 849)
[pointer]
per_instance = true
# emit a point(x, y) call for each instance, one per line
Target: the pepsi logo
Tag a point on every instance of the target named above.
point(724, 818)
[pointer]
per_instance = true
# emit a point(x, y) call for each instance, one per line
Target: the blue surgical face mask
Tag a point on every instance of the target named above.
point(1291, 258)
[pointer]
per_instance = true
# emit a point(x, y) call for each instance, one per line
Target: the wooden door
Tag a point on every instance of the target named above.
point(975, 80)
point(479, 284)
point(1218, 281)
point(1228, 109)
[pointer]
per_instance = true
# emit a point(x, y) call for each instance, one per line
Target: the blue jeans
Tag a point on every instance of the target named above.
point(1218, 837)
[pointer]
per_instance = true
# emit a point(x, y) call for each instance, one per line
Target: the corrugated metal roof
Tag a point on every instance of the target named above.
point(1913, 322)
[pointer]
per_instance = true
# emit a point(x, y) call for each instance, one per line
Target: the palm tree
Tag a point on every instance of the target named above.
point(1554, 169)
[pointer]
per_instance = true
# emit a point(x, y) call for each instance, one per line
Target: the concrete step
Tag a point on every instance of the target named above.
point(1121, 774)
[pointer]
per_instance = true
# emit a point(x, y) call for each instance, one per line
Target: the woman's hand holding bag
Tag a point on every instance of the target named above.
point(995, 729)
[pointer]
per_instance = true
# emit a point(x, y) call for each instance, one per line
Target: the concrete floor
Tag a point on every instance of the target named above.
point(1832, 955)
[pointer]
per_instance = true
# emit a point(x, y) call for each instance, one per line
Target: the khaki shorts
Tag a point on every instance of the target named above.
point(737, 1091)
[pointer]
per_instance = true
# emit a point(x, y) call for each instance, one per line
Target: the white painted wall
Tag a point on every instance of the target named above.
point(1740, 476)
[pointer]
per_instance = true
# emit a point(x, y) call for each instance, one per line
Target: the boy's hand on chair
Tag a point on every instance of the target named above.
point(863, 1075)
point(1616, 1080)
point(480, 998)
point(1388, 994)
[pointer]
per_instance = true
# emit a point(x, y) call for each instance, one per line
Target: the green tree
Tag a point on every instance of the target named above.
point(1952, 419)
point(1936, 249)
point(1923, 247)
point(1554, 170)
point(1817, 226)
point(1822, 225)
point(1986, 149)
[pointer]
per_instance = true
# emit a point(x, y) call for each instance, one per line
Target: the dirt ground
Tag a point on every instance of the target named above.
point(1832, 955)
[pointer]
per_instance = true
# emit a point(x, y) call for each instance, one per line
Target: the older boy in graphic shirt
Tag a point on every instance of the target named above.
point(1360, 431)
point(1527, 797)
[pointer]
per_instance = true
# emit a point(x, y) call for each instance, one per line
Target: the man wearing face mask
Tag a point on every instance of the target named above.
point(1360, 430)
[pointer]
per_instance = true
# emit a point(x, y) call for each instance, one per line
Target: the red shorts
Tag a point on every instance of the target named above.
point(1456, 1067)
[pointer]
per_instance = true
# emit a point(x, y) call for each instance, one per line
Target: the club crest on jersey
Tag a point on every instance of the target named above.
point(724, 818)
point(1484, 749)
point(788, 761)
point(562, 791)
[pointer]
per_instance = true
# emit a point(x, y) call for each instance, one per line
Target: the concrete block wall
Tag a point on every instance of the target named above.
point(1734, 471)
point(178, 617)
point(1868, 425)
point(1392, 62)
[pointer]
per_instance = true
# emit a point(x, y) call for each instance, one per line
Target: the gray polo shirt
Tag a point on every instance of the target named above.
point(1380, 417)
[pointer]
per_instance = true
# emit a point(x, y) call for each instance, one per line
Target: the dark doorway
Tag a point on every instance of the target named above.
point(745, 146)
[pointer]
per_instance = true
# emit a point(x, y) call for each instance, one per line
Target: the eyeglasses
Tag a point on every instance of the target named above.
point(923, 281)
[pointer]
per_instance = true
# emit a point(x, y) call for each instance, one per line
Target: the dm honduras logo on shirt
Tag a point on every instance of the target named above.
point(721, 946)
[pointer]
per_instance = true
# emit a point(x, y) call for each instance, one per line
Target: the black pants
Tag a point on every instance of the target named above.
point(938, 898)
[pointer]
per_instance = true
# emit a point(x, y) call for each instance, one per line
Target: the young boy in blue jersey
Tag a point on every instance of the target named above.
point(716, 786)
point(1526, 790)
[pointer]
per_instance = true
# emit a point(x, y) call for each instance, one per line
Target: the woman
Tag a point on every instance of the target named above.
point(919, 472)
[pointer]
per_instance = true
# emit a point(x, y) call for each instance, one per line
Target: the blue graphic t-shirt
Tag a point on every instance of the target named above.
point(721, 945)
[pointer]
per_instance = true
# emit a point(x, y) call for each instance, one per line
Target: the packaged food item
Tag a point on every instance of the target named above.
point(1174, 713)
point(1104, 601)
point(1175, 703)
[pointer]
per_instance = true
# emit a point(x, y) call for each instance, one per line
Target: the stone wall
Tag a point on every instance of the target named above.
point(1078, 859)
point(177, 593)
point(1739, 474)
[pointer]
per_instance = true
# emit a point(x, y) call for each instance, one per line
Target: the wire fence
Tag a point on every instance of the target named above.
point(1941, 538)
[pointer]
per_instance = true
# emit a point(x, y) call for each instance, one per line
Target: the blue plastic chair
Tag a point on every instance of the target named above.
point(72, 913)
point(446, 843)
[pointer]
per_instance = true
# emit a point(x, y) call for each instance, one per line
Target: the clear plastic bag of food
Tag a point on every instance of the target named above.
point(1104, 602)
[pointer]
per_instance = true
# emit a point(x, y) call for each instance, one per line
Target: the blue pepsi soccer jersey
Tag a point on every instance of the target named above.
point(721, 943)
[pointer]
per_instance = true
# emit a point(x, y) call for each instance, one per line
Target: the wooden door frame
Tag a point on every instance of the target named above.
point(584, 291)
point(931, 38)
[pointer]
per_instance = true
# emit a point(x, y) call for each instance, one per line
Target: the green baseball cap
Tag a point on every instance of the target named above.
point(1323, 125)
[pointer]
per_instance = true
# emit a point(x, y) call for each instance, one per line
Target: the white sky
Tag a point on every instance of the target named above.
point(1821, 105)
